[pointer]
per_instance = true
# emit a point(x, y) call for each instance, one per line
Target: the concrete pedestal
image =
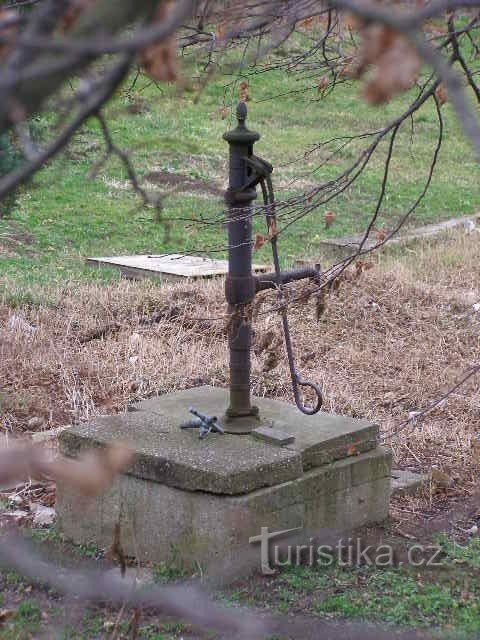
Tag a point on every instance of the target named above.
point(200, 501)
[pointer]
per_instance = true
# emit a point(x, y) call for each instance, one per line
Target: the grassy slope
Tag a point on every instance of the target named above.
point(68, 217)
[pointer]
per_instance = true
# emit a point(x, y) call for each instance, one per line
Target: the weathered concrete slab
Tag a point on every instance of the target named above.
point(349, 245)
point(320, 438)
point(172, 267)
point(407, 482)
point(165, 524)
point(223, 464)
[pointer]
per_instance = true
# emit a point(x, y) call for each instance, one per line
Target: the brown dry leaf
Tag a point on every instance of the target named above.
point(159, 60)
point(244, 91)
point(328, 218)
point(380, 235)
point(272, 227)
point(391, 59)
point(223, 112)
point(8, 32)
point(115, 550)
point(74, 11)
point(441, 94)
point(322, 83)
point(260, 240)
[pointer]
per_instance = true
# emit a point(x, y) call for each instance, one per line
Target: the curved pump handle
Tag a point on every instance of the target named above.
point(261, 175)
point(309, 411)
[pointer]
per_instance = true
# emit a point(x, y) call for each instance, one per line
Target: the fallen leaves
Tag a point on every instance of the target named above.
point(28, 504)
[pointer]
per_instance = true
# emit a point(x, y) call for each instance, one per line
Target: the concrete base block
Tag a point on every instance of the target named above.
point(198, 502)
point(212, 532)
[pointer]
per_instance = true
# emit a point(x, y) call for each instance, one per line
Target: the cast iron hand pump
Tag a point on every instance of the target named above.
point(246, 172)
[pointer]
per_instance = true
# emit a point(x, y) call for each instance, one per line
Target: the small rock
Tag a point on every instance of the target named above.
point(43, 516)
point(35, 423)
point(468, 226)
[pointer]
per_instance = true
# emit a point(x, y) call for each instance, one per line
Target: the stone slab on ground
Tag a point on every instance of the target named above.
point(222, 464)
point(168, 267)
point(348, 245)
point(160, 523)
point(407, 482)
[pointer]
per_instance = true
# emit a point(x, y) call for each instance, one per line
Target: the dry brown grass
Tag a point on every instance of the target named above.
point(389, 343)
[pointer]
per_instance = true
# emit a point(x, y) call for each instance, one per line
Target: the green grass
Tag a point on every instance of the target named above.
point(24, 624)
point(444, 599)
point(62, 216)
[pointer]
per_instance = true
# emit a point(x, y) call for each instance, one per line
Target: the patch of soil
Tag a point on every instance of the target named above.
point(183, 183)
point(14, 240)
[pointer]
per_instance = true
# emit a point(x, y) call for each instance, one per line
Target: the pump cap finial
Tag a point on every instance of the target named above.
point(241, 112)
